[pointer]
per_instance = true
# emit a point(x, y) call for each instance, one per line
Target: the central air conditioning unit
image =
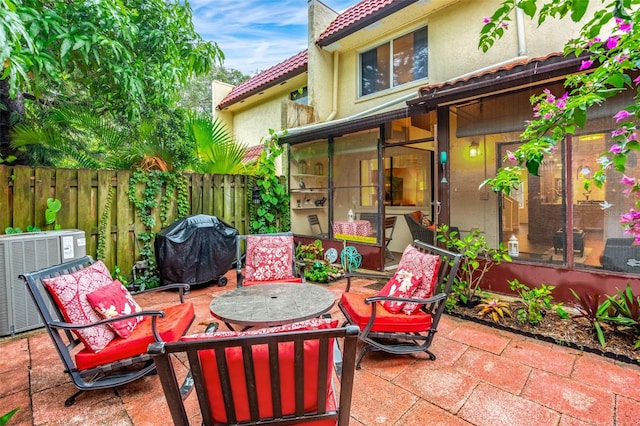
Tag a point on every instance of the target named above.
point(28, 252)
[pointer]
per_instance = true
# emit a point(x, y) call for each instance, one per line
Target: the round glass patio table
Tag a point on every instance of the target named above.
point(267, 305)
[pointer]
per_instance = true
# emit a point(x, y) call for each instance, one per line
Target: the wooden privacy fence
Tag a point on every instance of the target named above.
point(83, 193)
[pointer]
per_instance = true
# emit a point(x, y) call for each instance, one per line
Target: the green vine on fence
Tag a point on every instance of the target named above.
point(159, 187)
point(101, 248)
point(272, 214)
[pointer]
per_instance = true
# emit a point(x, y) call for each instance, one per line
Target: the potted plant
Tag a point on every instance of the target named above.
point(310, 258)
point(478, 259)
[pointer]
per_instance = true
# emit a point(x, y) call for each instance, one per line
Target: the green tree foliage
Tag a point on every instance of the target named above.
point(610, 43)
point(127, 58)
point(77, 137)
point(196, 94)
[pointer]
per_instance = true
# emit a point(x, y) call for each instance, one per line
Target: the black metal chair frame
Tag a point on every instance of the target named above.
point(297, 269)
point(418, 231)
point(104, 376)
point(344, 365)
point(400, 342)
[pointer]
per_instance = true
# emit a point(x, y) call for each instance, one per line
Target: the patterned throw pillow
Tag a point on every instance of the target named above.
point(422, 264)
point(70, 294)
point(402, 284)
point(269, 258)
point(114, 300)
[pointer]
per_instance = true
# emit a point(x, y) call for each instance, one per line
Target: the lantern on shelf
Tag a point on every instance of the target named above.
point(513, 246)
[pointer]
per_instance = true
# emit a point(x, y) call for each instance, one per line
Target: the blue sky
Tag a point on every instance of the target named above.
point(256, 34)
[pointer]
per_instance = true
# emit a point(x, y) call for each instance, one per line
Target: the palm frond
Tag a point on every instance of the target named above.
point(218, 152)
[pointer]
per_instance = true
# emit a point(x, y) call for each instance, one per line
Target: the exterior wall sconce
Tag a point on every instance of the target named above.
point(255, 195)
point(513, 247)
point(443, 163)
point(474, 149)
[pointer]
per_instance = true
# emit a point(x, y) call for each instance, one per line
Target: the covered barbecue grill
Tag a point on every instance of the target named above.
point(195, 250)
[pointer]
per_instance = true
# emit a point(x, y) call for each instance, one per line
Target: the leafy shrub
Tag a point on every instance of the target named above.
point(536, 301)
point(478, 259)
point(589, 307)
point(627, 311)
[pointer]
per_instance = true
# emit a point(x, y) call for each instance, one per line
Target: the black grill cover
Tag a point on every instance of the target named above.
point(195, 250)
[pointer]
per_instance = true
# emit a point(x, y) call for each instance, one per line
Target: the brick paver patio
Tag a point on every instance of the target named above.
point(482, 376)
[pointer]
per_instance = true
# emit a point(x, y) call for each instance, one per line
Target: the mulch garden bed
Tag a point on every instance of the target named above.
point(576, 333)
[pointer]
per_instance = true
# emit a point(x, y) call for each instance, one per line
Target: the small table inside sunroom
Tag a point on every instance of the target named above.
point(267, 305)
point(360, 228)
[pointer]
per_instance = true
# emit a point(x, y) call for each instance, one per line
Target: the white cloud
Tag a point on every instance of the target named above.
point(253, 34)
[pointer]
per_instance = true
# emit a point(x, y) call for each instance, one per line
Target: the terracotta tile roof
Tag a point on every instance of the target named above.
point(286, 69)
point(359, 16)
point(490, 72)
point(504, 77)
point(252, 153)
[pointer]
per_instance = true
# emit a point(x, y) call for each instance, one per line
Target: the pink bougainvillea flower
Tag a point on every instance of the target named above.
point(511, 156)
point(621, 115)
point(626, 180)
point(637, 80)
point(504, 25)
point(586, 64)
point(615, 149)
point(612, 42)
point(594, 41)
point(562, 101)
point(486, 20)
point(632, 137)
point(553, 149)
point(617, 132)
point(623, 26)
point(621, 58)
point(536, 111)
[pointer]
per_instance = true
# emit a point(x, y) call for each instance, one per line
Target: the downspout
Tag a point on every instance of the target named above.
point(522, 45)
point(334, 94)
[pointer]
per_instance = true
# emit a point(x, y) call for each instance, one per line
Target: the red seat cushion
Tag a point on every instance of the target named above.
point(248, 283)
point(360, 313)
point(235, 364)
point(175, 323)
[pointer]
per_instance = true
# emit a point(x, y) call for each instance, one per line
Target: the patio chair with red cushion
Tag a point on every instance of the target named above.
point(268, 258)
point(99, 331)
point(275, 376)
point(403, 317)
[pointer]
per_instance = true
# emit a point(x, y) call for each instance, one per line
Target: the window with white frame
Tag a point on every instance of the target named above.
point(399, 61)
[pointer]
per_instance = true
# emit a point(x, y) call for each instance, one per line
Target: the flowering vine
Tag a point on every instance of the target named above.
point(610, 61)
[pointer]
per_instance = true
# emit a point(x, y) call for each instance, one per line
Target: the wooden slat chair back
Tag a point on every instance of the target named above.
point(120, 371)
point(266, 258)
point(238, 379)
point(314, 223)
point(400, 333)
point(389, 228)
